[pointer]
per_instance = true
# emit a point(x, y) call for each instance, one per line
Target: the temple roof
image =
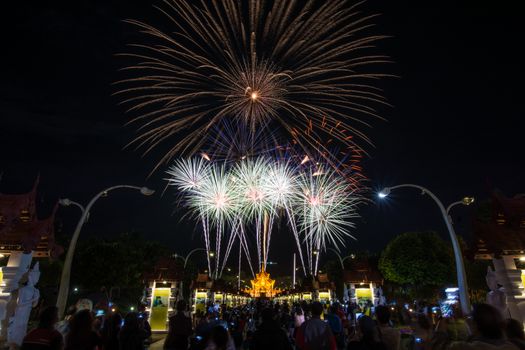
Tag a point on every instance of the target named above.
point(503, 232)
point(166, 268)
point(15, 208)
point(203, 281)
point(22, 230)
point(262, 285)
point(362, 271)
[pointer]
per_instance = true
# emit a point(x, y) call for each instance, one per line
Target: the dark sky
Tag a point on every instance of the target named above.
point(456, 124)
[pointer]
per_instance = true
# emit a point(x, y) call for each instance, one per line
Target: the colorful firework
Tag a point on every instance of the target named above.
point(326, 207)
point(317, 202)
point(301, 67)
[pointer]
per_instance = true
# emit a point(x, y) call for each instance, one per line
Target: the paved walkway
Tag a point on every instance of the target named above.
point(157, 345)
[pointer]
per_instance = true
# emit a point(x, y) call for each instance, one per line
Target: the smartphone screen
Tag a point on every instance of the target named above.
point(99, 313)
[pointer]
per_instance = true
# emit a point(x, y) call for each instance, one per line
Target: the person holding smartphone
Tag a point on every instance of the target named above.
point(487, 332)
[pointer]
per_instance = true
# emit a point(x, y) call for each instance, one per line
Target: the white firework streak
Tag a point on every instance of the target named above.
point(244, 243)
point(327, 207)
point(234, 234)
point(215, 200)
point(319, 205)
point(281, 186)
point(188, 174)
point(249, 176)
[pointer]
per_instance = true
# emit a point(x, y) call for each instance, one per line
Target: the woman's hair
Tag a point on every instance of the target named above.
point(48, 317)
point(368, 329)
point(382, 314)
point(488, 321)
point(219, 336)
point(181, 306)
point(112, 325)
point(81, 324)
point(423, 321)
point(131, 321)
point(514, 329)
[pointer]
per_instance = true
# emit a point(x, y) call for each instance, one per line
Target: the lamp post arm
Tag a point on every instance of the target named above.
point(78, 205)
point(189, 254)
point(346, 257)
point(460, 266)
point(65, 278)
point(453, 205)
point(339, 257)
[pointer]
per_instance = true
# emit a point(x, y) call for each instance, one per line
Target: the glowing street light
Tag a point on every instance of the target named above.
point(66, 270)
point(384, 193)
point(460, 266)
point(467, 200)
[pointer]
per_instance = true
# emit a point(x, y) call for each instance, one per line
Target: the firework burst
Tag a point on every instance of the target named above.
point(303, 68)
point(318, 204)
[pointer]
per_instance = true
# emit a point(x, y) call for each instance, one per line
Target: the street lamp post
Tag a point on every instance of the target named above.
point(181, 296)
point(460, 266)
point(65, 278)
point(341, 261)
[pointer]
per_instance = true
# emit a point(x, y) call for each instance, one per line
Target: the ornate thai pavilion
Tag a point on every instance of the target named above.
point(262, 286)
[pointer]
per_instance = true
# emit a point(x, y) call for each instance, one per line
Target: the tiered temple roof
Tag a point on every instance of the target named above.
point(503, 230)
point(22, 230)
point(362, 272)
point(262, 286)
point(166, 268)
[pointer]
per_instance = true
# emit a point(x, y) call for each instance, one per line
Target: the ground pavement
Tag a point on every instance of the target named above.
point(157, 345)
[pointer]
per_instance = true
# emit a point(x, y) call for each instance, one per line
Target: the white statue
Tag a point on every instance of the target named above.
point(28, 297)
point(381, 300)
point(3, 309)
point(496, 297)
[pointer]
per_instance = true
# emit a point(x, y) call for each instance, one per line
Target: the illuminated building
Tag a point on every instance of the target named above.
point(262, 286)
point(201, 293)
point(361, 283)
point(325, 289)
point(162, 292)
point(23, 236)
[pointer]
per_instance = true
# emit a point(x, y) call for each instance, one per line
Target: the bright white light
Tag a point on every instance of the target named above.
point(522, 258)
point(384, 192)
point(451, 290)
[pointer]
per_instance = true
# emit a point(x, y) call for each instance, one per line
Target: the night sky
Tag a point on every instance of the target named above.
point(456, 125)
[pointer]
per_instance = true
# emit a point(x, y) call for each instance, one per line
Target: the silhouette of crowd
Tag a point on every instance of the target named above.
point(262, 325)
